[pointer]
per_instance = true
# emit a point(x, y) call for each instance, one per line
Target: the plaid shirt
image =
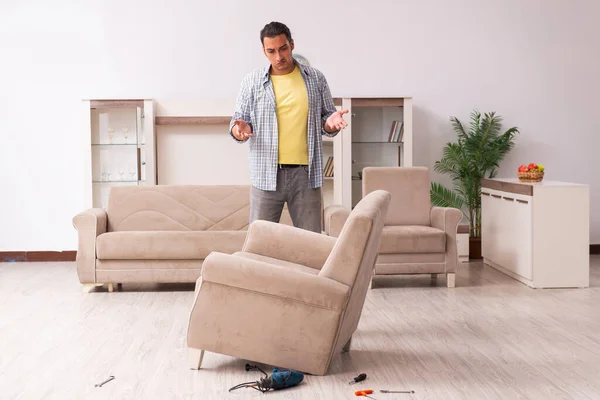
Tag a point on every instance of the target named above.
point(256, 105)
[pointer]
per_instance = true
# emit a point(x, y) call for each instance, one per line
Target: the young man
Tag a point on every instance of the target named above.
point(283, 110)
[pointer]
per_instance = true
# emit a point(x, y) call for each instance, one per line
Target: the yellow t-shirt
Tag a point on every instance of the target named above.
point(292, 117)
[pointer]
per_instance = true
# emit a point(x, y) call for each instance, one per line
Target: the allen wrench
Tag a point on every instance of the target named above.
point(110, 378)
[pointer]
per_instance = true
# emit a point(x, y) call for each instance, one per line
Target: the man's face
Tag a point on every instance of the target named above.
point(279, 52)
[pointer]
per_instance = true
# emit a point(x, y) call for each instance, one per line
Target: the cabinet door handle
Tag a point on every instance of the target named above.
point(139, 167)
point(509, 198)
point(485, 193)
point(522, 201)
point(496, 196)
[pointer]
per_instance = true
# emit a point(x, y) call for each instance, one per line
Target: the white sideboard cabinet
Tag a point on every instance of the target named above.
point(537, 233)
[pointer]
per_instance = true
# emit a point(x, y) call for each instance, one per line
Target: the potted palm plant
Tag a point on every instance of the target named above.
point(476, 154)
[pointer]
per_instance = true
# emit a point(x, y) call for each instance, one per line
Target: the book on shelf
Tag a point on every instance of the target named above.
point(396, 132)
point(328, 170)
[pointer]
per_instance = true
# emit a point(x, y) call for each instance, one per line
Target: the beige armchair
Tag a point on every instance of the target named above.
point(291, 298)
point(416, 238)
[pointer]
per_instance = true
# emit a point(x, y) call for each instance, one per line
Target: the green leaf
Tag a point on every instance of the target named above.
point(444, 197)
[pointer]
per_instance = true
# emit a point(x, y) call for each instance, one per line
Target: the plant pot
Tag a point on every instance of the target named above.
point(475, 248)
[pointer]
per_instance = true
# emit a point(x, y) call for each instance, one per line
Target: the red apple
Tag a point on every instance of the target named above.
point(532, 166)
point(523, 168)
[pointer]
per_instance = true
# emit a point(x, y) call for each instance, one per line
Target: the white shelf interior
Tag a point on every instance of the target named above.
point(328, 182)
point(371, 144)
point(116, 136)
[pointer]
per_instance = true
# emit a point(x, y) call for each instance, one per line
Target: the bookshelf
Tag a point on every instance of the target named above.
point(120, 142)
point(379, 133)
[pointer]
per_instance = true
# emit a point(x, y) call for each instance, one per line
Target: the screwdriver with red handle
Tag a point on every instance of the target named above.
point(364, 393)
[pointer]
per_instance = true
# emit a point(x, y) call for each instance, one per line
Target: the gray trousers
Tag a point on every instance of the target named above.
point(304, 203)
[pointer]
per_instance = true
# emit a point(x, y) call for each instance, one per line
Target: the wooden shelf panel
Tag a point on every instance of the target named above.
point(378, 102)
point(116, 103)
point(212, 120)
point(372, 101)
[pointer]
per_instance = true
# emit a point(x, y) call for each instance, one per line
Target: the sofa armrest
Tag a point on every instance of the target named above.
point(285, 242)
point(260, 277)
point(447, 220)
point(89, 225)
point(335, 217)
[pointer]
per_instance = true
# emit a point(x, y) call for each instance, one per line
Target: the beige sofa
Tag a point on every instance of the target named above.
point(162, 234)
point(290, 298)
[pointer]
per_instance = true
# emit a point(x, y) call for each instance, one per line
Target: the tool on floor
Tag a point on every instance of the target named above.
point(397, 391)
point(110, 378)
point(280, 379)
point(364, 393)
point(359, 378)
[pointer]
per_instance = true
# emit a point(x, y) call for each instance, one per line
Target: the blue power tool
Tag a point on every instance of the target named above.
point(280, 379)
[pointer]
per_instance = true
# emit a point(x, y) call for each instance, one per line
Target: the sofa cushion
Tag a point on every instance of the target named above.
point(167, 245)
point(412, 239)
point(179, 208)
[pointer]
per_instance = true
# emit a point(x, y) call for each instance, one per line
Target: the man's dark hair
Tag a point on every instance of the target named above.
point(275, 29)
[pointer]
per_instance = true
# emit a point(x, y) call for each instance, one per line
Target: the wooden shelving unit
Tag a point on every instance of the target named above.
point(120, 146)
point(370, 138)
point(379, 133)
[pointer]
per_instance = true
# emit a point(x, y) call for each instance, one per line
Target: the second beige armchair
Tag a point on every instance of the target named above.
point(416, 238)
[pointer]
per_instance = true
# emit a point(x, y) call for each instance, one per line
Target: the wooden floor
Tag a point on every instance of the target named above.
point(489, 338)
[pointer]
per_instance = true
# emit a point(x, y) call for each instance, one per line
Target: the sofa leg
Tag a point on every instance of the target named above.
point(372, 285)
point(111, 287)
point(88, 287)
point(451, 279)
point(346, 347)
point(196, 356)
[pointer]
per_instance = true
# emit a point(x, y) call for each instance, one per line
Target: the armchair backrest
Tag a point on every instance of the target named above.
point(410, 188)
point(353, 257)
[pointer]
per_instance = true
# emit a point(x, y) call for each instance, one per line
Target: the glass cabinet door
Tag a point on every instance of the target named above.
point(118, 147)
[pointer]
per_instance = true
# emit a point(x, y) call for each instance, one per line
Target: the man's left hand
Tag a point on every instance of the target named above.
point(336, 122)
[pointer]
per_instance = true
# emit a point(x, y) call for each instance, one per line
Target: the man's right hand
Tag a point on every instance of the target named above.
point(241, 130)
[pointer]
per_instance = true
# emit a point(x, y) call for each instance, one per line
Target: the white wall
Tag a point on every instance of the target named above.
point(203, 155)
point(536, 62)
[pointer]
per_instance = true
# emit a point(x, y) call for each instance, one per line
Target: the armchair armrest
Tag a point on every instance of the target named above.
point(334, 219)
point(89, 225)
point(268, 279)
point(285, 242)
point(447, 220)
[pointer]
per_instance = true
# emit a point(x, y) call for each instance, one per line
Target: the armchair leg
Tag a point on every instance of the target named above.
point(196, 356)
point(346, 347)
point(451, 279)
point(88, 287)
point(111, 288)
